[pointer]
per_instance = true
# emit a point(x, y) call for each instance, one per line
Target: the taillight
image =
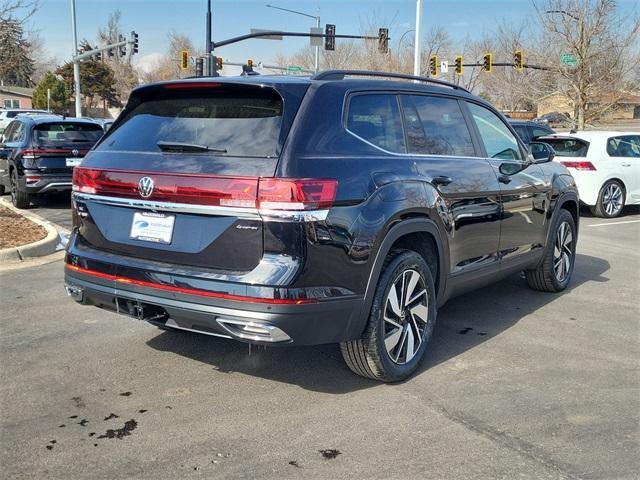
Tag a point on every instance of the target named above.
point(237, 192)
point(32, 178)
point(296, 194)
point(579, 165)
point(35, 153)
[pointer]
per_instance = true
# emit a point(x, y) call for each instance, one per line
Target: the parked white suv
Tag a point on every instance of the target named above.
point(8, 114)
point(605, 165)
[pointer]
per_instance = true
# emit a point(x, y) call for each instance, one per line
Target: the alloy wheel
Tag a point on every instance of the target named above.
point(405, 317)
point(612, 199)
point(563, 252)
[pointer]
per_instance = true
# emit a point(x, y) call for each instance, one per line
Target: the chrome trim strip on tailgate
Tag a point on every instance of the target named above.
point(246, 213)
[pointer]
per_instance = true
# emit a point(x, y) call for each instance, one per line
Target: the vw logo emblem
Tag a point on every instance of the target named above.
point(75, 152)
point(145, 187)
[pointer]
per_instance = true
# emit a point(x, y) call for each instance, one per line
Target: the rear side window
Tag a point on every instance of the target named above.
point(229, 121)
point(436, 126)
point(66, 133)
point(627, 146)
point(521, 130)
point(376, 119)
point(568, 147)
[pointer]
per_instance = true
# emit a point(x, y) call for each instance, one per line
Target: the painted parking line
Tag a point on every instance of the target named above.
point(613, 223)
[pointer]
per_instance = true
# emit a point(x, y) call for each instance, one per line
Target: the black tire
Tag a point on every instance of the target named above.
point(606, 207)
point(19, 198)
point(368, 356)
point(553, 274)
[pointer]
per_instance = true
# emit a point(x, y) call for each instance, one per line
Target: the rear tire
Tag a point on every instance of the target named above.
point(610, 200)
point(19, 198)
point(554, 271)
point(400, 323)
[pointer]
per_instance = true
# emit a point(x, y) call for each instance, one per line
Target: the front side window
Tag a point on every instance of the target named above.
point(436, 126)
point(539, 132)
point(521, 130)
point(376, 119)
point(627, 146)
point(498, 140)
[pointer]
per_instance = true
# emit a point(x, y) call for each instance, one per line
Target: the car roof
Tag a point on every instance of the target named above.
point(514, 121)
point(363, 83)
point(39, 119)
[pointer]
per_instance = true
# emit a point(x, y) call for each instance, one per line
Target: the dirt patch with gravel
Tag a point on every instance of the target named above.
point(15, 230)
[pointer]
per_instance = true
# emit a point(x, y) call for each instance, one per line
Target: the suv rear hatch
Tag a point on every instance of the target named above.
point(176, 179)
point(56, 147)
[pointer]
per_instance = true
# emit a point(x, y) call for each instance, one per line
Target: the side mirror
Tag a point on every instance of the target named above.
point(541, 152)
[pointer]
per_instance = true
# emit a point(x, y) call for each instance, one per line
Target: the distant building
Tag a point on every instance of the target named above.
point(15, 97)
point(625, 106)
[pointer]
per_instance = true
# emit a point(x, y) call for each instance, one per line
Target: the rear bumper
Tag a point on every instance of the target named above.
point(49, 183)
point(327, 321)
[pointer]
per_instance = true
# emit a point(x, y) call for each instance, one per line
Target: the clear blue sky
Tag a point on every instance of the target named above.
point(152, 19)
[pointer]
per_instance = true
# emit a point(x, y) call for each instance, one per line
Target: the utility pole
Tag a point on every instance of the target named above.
point(208, 41)
point(76, 62)
point(417, 46)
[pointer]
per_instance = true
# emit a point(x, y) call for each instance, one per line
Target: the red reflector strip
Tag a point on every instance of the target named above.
point(189, 291)
point(579, 165)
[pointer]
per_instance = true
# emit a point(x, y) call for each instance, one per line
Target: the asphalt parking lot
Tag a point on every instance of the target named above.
point(517, 384)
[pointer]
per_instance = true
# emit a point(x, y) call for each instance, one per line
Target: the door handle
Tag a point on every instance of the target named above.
point(441, 180)
point(504, 179)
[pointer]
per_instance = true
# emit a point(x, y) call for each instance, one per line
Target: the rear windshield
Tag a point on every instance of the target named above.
point(229, 121)
point(64, 133)
point(568, 147)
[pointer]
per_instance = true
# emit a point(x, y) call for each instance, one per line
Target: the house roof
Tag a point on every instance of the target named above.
point(20, 91)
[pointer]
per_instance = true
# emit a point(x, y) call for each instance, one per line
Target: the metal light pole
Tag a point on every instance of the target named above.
point(317, 18)
point(417, 46)
point(76, 63)
point(208, 42)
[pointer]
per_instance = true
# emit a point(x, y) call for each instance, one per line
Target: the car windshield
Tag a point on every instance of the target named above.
point(222, 121)
point(64, 133)
point(568, 147)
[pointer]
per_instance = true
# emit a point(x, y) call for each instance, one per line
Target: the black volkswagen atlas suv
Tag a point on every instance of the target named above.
point(345, 208)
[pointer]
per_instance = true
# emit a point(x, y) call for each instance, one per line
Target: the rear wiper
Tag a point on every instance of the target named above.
point(187, 147)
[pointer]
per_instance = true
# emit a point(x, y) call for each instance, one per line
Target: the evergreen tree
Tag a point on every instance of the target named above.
point(97, 80)
point(16, 64)
point(59, 93)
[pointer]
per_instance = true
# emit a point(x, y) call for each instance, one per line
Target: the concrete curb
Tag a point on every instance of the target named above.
point(39, 248)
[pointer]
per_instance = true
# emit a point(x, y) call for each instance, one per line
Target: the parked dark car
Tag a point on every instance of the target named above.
point(39, 152)
point(529, 131)
point(555, 119)
point(300, 211)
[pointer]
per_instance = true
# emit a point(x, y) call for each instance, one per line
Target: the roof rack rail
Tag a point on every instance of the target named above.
point(340, 74)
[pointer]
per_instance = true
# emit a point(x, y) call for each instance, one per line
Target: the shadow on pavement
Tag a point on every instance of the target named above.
point(463, 323)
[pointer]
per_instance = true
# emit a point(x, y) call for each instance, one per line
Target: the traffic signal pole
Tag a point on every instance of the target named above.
point(76, 61)
point(208, 48)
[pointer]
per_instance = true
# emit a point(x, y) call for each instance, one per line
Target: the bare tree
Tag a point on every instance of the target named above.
point(605, 46)
point(19, 10)
point(168, 66)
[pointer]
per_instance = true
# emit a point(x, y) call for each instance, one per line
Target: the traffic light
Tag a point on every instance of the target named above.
point(486, 62)
point(330, 39)
point(122, 51)
point(250, 63)
point(134, 39)
point(433, 65)
point(184, 60)
point(199, 65)
point(518, 60)
point(219, 62)
point(110, 52)
point(383, 40)
point(459, 66)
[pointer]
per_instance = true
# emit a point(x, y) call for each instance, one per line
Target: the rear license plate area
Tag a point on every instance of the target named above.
point(152, 227)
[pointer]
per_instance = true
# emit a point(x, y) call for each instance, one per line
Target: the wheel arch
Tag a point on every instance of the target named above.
point(409, 233)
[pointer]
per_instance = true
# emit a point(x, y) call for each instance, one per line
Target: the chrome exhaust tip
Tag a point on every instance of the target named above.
point(77, 293)
point(254, 331)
